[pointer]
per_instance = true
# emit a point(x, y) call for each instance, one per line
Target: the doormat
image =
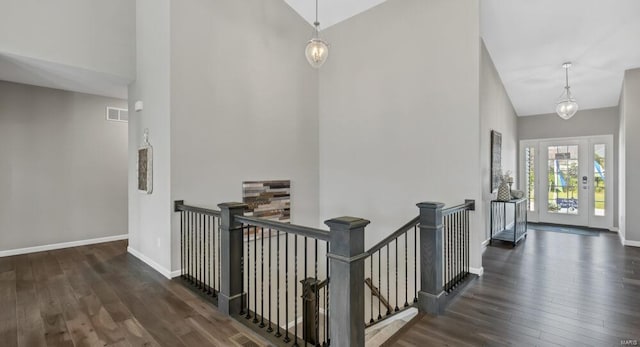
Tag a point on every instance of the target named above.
point(564, 229)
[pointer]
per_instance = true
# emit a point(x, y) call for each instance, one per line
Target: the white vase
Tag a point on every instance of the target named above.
point(504, 192)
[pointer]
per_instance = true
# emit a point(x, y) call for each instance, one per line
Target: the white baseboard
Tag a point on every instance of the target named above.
point(477, 271)
point(632, 243)
point(176, 273)
point(62, 245)
point(159, 268)
point(621, 236)
point(485, 243)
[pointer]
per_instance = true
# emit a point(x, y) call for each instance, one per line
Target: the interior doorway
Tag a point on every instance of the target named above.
point(569, 180)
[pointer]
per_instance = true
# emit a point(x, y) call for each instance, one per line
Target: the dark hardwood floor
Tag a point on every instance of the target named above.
point(554, 289)
point(101, 296)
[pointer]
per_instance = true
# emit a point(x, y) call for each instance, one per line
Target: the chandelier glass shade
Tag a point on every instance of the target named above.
point(567, 105)
point(317, 50)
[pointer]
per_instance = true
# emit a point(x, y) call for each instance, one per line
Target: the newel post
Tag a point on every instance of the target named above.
point(230, 298)
point(346, 284)
point(431, 292)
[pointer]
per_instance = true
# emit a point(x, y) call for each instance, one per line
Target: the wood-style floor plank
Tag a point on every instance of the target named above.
point(554, 289)
point(99, 295)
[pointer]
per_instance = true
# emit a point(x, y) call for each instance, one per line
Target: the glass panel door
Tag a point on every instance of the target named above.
point(562, 183)
point(569, 181)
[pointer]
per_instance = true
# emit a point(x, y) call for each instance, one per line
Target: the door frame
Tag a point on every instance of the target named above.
point(605, 222)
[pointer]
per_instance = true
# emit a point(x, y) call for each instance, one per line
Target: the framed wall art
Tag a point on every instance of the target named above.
point(268, 199)
point(496, 159)
point(145, 166)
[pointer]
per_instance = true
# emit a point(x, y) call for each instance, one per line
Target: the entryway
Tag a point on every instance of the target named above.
point(569, 180)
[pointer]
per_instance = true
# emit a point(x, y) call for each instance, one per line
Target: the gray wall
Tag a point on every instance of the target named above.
point(602, 121)
point(399, 119)
point(630, 184)
point(150, 215)
point(496, 113)
point(244, 104)
point(91, 34)
point(63, 167)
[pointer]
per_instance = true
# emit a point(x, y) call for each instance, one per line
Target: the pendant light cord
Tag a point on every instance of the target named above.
point(316, 24)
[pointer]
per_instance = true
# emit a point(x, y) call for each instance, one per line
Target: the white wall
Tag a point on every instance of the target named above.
point(244, 104)
point(63, 167)
point(399, 119)
point(631, 152)
point(150, 215)
point(496, 113)
point(94, 35)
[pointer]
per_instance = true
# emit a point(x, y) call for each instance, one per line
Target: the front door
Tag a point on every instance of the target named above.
point(569, 181)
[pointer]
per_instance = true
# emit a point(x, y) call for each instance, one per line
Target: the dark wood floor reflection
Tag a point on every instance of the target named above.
point(555, 289)
point(101, 296)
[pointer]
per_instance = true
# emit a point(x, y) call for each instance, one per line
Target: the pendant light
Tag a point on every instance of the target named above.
point(317, 50)
point(567, 106)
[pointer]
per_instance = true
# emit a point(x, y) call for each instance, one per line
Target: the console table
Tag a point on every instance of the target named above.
point(505, 226)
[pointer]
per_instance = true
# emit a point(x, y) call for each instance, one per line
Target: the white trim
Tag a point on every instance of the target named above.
point(477, 271)
point(176, 273)
point(62, 245)
point(485, 243)
point(159, 268)
point(621, 236)
point(632, 243)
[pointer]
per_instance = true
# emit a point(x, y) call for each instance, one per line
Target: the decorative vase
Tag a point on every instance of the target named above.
point(504, 192)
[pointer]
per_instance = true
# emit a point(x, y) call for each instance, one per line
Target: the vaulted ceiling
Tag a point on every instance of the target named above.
point(331, 11)
point(529, 41)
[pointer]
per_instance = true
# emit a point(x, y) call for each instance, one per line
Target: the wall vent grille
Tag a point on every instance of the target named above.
point(115, 114)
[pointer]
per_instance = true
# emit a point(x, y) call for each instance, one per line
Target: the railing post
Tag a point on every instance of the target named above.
point(231, 298)
point(346, 263)
point(431, 292)
point(309, 310)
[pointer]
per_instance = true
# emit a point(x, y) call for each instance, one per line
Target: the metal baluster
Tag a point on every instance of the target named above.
point(388, 281)
point(182, 244)
point(295, 291)
point(371, 304)
point(406, 271)
point(269, 329)
point(190, 247)
point(379, 283)
point(220, 253)
point(262, 325)
point(317, 293)
point(200, 249)
point(255, 275)
point(197, 247)
point(458, 227)
point(277, 334)
point(213, 258)
point(304, 292)
point(248, 261)
point(327, 291)
point(466, 241)
point(208, 257)
point(286, 289)
point(448, 258)
point(243, 259)
point(396, 309)
point(415, 263)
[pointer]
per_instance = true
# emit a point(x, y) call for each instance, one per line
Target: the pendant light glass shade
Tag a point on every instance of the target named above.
point(317, 52)
point(567, 106)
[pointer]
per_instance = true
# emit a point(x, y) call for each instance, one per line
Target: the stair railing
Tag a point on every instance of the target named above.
point(305, 286)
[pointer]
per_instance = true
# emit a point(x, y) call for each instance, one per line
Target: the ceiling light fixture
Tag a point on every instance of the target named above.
point(567, 106)
point(317, 50)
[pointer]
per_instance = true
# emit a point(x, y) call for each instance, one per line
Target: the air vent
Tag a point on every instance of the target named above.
point(117, 114)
